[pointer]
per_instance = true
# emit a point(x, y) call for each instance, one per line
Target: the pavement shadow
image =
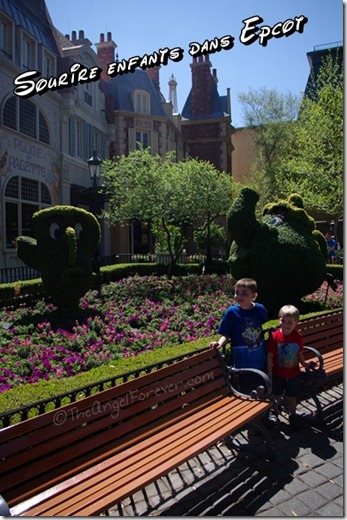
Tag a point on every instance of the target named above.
point(250, 481)
point(227, 482)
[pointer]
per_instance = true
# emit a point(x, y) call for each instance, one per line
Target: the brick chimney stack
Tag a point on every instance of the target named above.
point(201, 85)
point(105, 51)
point(81, 40)
point(214, 75)
point(153, 73)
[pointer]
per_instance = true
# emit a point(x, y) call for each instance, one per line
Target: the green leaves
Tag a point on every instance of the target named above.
point(171, 195)
point(313, 163)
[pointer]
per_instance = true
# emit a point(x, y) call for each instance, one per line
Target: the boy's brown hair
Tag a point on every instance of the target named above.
point(289, 310)
point(249, 283)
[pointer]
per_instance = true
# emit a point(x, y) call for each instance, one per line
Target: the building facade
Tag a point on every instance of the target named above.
point(206, 117)
point(47, 138)
point(30, 166)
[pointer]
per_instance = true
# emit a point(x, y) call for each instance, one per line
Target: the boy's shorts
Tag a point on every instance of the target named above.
point(291, 386)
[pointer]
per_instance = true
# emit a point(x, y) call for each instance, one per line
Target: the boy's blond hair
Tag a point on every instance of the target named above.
point(249, 283)
point(289, 310)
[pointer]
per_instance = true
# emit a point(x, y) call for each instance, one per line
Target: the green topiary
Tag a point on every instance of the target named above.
point(283, 251)
point(66, 239)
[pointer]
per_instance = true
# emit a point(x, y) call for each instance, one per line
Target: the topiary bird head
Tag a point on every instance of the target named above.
point(66, 239)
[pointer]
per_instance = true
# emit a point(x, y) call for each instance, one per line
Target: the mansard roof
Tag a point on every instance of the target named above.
point(121, 87)
point(33, 18)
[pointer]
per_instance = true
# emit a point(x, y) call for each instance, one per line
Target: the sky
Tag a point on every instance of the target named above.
point(140, 28)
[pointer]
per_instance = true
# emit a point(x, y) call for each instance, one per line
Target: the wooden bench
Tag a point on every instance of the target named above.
point(323, 340)
point(83, 458)
point(324, 334)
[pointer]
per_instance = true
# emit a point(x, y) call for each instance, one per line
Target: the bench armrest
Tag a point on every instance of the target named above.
point(318, 355)
point(261, 392)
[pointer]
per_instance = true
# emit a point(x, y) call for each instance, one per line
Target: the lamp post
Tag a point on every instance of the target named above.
point(94, 170)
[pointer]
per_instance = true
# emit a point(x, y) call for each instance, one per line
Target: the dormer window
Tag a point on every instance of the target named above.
point(28, 53)
point(6, 37)
point(142, 102)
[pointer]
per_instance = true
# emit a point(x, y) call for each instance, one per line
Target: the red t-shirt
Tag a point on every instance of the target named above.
point(285, 353)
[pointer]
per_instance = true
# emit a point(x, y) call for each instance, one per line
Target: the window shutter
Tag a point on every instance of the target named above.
point(131, 139)
point(154, 143)
point(86, 151)
point(72, 135)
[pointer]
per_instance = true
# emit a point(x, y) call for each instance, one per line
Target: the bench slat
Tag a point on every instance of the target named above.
point(121, 405)
point(169, 448)
point(46, 419)
point(325, 334)
point(68, 458)
point(87, 451)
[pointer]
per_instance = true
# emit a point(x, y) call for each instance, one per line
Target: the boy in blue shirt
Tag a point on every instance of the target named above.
point(242, 325)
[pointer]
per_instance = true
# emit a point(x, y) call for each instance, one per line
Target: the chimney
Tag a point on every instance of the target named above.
point(105, 51)
point(201, 85)
point(214, 75)
point(153, 73)
point(81, 40)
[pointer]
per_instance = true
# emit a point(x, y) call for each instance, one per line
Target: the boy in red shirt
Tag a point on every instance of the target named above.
point(284, 353)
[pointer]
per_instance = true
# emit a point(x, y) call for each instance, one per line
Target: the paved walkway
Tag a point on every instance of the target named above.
point(305, 479)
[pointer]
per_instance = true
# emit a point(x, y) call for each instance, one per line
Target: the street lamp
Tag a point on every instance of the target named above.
point(94, 170)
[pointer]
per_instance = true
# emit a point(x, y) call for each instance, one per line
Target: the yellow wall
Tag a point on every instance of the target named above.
point(243, 156)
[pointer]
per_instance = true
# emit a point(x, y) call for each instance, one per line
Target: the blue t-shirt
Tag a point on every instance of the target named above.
point(244, 328)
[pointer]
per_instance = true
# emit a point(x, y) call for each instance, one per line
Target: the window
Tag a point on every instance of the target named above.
point(28, 53)
point(43, 129)
point(88, 98)
point(3, 36)
point(142, 140)
point(48, 66)
point(9, 118)
point(6, 32)
point(138, 139)
point(141, 102)
point(23, 197)
point(25, 117)
point(84, 138)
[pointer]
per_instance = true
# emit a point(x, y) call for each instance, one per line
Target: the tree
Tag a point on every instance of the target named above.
point(268, 115)
point(171, 195)
point(312, 164)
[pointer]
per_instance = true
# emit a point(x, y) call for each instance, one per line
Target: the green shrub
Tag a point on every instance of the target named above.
point(30, 393)
point(336, 270)
point(66, 239)
point(17, 293)
point(281, 251)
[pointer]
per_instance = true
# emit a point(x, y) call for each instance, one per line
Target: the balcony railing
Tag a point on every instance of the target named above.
point(331, 45)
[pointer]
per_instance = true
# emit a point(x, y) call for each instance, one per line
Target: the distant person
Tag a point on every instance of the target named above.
point(331, 246)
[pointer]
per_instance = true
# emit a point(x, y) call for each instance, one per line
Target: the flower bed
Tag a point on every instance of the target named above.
point(130, 316)
point(127, 317)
